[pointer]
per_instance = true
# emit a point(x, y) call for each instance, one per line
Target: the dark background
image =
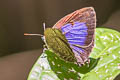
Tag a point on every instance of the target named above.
point(20, 16)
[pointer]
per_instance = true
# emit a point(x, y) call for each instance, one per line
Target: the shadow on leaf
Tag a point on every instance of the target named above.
point(66, 70)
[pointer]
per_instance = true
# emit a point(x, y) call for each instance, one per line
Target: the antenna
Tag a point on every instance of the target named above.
point(27, 34)
point(44, 26)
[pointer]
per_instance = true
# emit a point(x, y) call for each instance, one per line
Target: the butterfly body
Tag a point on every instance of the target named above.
point(72, 37)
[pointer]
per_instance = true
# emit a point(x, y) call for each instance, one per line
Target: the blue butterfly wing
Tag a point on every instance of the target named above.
point(79, 28)
point(76, 34)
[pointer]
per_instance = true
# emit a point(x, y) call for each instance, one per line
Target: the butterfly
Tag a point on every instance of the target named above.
point(72, 37)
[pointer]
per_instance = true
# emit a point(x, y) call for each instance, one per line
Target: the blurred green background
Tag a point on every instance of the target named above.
point(20, 16)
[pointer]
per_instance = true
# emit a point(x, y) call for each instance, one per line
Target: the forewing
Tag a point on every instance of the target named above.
point(85, 44)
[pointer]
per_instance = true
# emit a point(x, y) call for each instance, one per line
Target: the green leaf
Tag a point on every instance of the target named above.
point(107, 48)
point(104, 64)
